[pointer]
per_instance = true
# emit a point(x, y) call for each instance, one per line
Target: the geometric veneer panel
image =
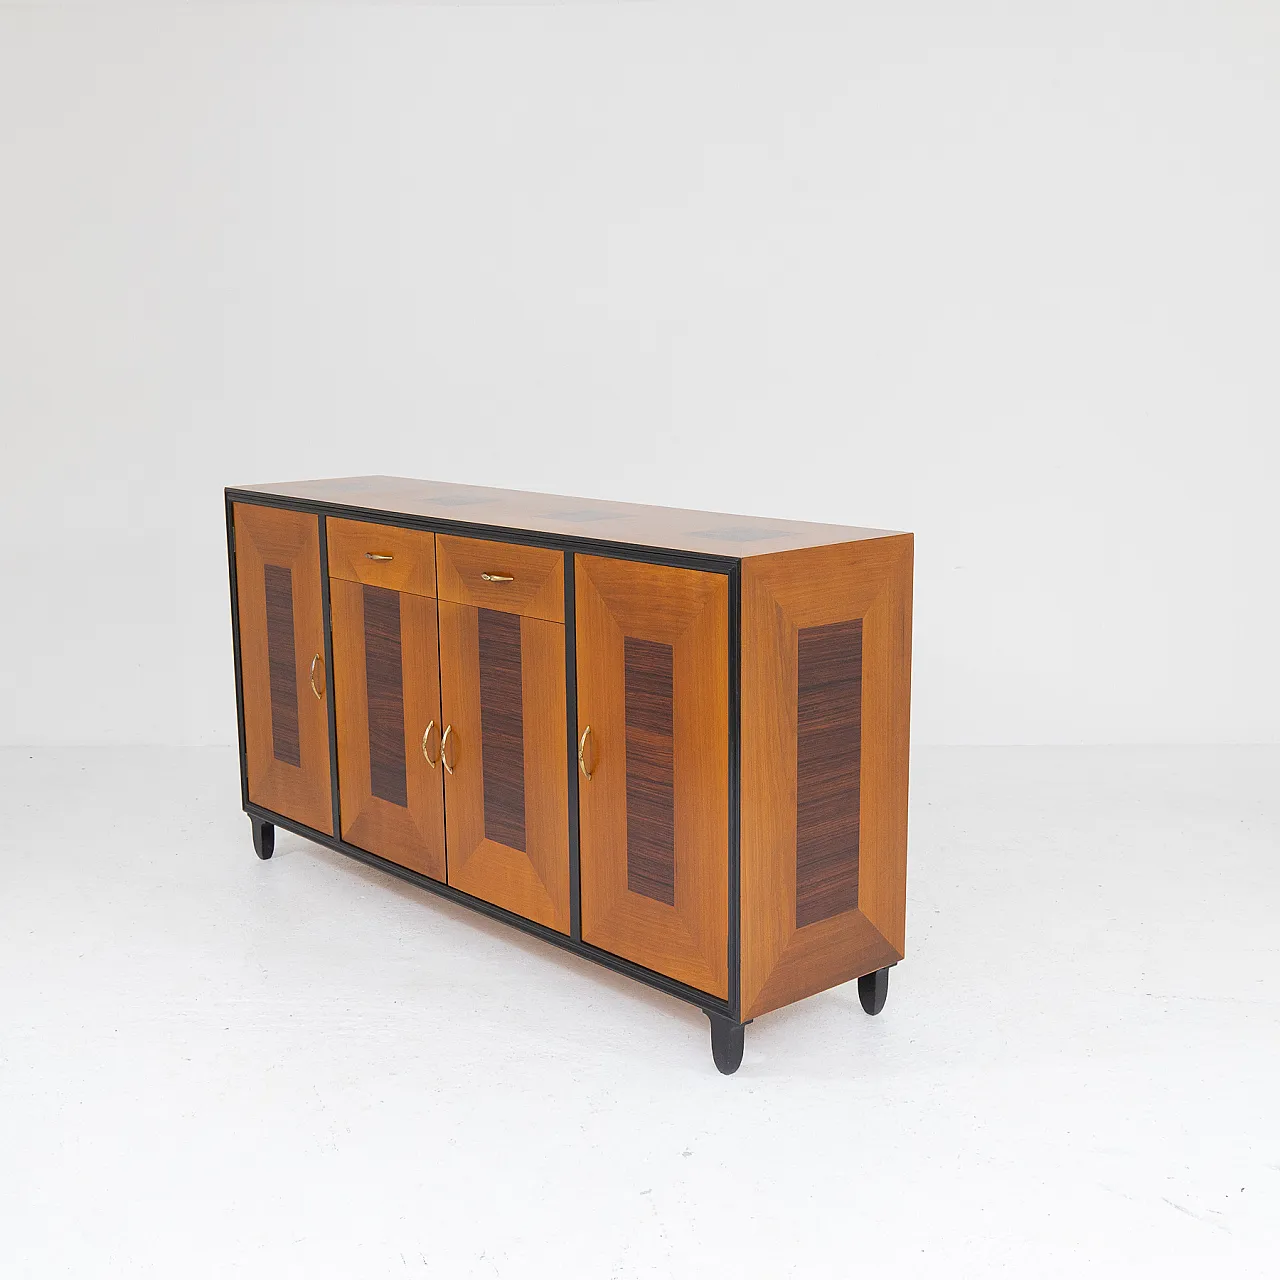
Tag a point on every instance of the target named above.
point(502, 727)
point(384, 680)
point(282, 665)
point(828, 759)
point(651, 800)
point(826, 664)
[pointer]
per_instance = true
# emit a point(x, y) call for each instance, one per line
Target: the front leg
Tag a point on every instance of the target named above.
point(264, 837)
point(726, 1043)
point(873, 990)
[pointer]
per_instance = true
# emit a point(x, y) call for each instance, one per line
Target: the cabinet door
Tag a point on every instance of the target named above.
point(282, 664)
point(387, 688)
point(502, 688)
point(653, 686)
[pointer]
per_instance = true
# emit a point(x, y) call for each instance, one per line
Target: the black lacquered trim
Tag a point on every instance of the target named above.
point(660, 982)
point(728, 565)
point(500, 533)
point(571, 724)
point(735, 779)
point(331, 709)
point(235, 649)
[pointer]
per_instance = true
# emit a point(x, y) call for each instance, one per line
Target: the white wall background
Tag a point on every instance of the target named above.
point(1006, 275)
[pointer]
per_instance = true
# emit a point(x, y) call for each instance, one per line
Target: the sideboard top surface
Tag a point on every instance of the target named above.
point(707, 533)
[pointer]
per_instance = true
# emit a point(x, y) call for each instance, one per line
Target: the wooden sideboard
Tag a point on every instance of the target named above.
point(673, 742)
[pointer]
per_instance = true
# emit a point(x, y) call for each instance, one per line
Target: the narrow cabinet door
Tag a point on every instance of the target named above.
point(388, 705)
point(653, 796)
point(282, 666)
point(506, 758)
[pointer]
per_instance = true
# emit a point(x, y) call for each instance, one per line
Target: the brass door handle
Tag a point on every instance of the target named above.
point(582, 747)
point(497, 577)
point(317, 662)
point(426, 733)
point(373, 555)
point(448, 768)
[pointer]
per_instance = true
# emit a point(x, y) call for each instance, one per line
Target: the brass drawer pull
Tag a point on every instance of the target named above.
point(374, 555)
point(426, 733)
point(316, 662)
point(448, 768)
point(582, 747)
point(497, 577)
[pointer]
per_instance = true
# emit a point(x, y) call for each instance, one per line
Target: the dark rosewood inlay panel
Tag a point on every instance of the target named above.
point(829, 763)
point(502, 727)
point(384, 679)
point(651, 807)
point(282, 665)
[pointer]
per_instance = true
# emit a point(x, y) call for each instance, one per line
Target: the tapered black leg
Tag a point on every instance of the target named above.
point(873, 990)
point(264, 837)
point(726, 1043)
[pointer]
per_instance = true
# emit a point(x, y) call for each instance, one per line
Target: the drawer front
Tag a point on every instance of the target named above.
point(501, 575)
point(380, 555)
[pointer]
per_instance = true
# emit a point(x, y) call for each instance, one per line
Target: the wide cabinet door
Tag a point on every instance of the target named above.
point(283, 675)
point(653, 721)
point(506, 759)
point(388, 696)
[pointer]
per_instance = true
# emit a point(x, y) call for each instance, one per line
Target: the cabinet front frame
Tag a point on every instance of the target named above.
point(729, 566)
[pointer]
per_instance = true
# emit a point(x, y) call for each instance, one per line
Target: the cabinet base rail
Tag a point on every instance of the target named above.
point(727, 1033)
point(660, 982)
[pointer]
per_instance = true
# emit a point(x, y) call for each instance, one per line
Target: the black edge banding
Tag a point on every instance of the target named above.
point(235, 648)
point(735, 776)
point(569, 544)
point(571, 724)
point(331, 709)
point(660, 982)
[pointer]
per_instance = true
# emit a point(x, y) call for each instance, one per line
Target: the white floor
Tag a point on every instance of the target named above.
point(212, 1066)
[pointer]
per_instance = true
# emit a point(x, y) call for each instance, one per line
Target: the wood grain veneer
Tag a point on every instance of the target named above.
point(712, 533)
point(783, 960)
point(384, 684)
point(532, 881)
point(286, 546)
point(828, 769)
point(795, 711)
point(502, 726)
point(411, 569)
point(689, 611)
point(282, 665)
point(649, 690)
point(536, 589)
point(408, 832)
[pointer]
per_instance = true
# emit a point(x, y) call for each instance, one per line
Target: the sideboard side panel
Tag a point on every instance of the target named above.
point(826, 688)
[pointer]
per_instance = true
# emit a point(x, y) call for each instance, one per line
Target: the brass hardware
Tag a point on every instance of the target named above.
point(497, 577)
point(315, 662)
point(582, 746)
point(426, 733)
point(448, 768)
point(373, 555)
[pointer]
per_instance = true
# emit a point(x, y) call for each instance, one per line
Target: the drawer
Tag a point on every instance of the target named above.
point(380, 555)
point(529, 580)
